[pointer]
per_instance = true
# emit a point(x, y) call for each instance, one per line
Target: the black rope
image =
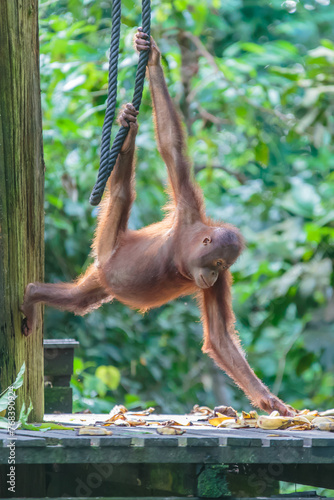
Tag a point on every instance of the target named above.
point(109, 156)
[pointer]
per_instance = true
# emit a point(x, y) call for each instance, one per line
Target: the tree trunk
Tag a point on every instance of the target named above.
point(21, 196)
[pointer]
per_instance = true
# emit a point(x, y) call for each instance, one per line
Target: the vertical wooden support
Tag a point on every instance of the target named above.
point(58, 370)
point(21, 195)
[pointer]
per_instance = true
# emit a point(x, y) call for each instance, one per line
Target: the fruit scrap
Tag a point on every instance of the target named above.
point(118, 409)
point(234, 424)
point(249, 419)
point(202, 410)
point(228, 411)
point(170, 431)
point(143, 413)
point(325, 426)
point(251, 415)
point(273, 421)
point(327, 413)
point(115, 418)
point(310, 415)
point(302, 427)
point(122, 420)
point(174, 422)
point(269, 422)
point(90, 430)
point(323, 423)
point(220, 419)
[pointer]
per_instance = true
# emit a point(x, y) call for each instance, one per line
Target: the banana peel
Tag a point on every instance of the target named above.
point(227, 411)
point(310, 415)
point(325, 426)
point(91, 430)
point(202, 410)
point(220, 419)
point(272, 422)
point(304, 420)
point(303, 427)
point(227, 417)
point(249, 419)
point(323, 423)
point(327, 413)
point(170, 431)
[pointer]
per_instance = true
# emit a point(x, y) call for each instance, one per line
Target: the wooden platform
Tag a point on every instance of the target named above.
point(198, 444)
point(137, 461)
point(133, 445)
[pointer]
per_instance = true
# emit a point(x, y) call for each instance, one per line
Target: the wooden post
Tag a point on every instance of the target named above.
point(21, 196)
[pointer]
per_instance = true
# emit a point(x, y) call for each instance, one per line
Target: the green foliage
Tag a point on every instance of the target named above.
point(42, 427)
point(254, 83)
point(8, 393)
point(4, 396)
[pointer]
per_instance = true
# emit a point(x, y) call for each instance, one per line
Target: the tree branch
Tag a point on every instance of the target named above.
point(241, 178)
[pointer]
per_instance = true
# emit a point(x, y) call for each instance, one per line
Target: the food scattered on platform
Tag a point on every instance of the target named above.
point(200, 416)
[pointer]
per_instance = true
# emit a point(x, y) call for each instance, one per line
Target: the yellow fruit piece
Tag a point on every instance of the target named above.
point(327, 413)
point(303, 427)
point(254, 414)
point(216, 421)
point(321, 421)
point(310, 415)
point(269, 422)
point(301, 420)
point(326, 426)
point(90, 430)
point(232, 423)
point(274, 413)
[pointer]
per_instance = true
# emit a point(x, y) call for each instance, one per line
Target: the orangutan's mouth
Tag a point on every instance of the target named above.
point(205, 283)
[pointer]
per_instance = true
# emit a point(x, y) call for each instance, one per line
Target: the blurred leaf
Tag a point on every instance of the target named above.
point(109, 376)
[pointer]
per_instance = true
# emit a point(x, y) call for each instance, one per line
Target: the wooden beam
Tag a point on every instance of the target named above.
point(21, 196)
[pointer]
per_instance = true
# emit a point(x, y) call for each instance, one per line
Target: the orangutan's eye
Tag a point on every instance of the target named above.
point(219, 263)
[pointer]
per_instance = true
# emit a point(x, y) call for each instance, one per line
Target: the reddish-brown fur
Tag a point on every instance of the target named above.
point(186, 253)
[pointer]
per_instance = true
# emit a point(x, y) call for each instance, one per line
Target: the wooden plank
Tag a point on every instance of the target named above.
point(124, 436)
point(110, 441)
point(24, 441)
point(194, 446)
point(60, 343)
point(243, 437)
point(281, 438)
point(21, 198)
point(286, 442)
point(240, 441)
point(202, 441)
point(161, 441)
point(66, 438)
point(21, 439)
point(138, 453)
point(314, 438)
